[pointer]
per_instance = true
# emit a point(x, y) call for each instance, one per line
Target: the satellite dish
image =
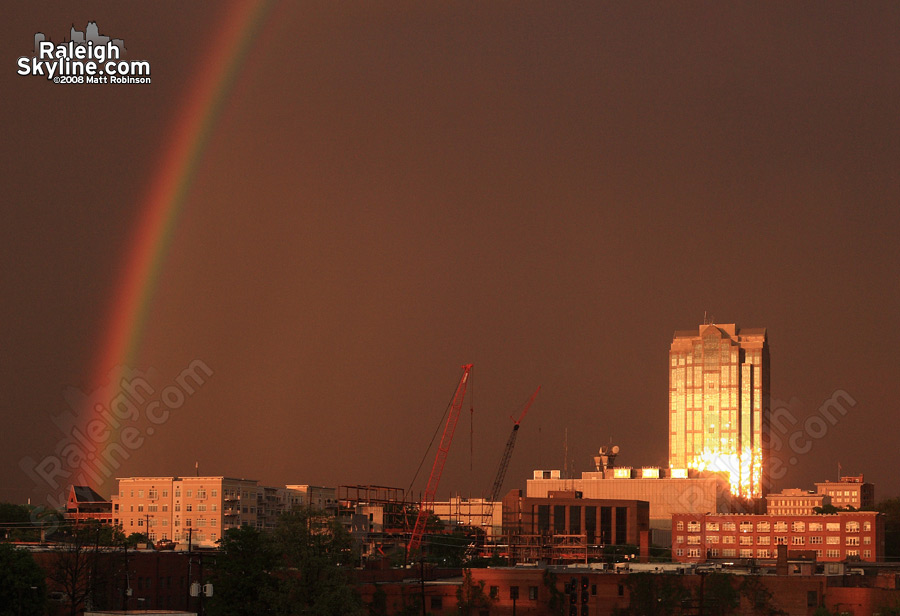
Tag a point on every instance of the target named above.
point(615, 449)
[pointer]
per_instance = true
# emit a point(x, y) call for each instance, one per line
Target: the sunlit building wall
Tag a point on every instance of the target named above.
point(719, 403)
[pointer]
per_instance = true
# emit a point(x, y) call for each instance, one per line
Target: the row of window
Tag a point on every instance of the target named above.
point(767, 540)
point(779, 527)
point(165, 522)
point(764, 553)
point(152, 494)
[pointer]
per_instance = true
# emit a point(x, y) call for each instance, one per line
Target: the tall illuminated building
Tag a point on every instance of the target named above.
point(719, 403)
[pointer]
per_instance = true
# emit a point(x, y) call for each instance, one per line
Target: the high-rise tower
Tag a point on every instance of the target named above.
point(719, 403)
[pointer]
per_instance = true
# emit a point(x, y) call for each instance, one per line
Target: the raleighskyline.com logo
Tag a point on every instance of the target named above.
point(87, 57)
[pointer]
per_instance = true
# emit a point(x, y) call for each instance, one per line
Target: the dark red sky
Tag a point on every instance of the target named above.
point(547, 191)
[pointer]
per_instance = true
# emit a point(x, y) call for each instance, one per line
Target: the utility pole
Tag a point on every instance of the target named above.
point(422, 580)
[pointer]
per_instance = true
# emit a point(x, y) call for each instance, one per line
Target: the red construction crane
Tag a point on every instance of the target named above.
point(427, 505)
point(507, 454)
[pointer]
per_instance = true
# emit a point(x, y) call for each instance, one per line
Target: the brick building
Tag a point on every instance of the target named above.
point(856, 535)
point(850, 491)
point(794, 501)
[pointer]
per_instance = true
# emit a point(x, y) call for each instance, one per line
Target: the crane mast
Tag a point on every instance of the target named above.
point(427, 505)
point(504, 461)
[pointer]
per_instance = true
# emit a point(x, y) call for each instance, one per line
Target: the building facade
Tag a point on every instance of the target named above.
point(794, 501)
point(847, 535)
point(185, 509)
point(719, 403)
point(850, 491)
point(687, 492)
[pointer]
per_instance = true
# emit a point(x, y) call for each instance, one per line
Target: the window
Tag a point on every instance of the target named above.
point(140, 494)
point(712, 539)
point(187, 522)
point(833, 527)
point(764, 540)
point(746, 527)
point(712, 526)
point(152, 507)
point(165, 508)
point(678, 552)
point(728, 553)
point(812, 598)
point(214, 493)
point(714, 553)
point(201, 507)
point(746, 540)
point(189, 493)
point(746, 553)
point(494, 592)
point(140, 507)
point(679, 525)
point(728, 526)
point(212, 522)
point(833, 540)
point(867, 540)
point(177, 492)
point(852, 540)
point(815, 527)
point(832, 553)
point(798, 527)
point(763, 527)
point(694, 553)
point(533, 592)
point(165, 493)
point(852, 553)
point(867, 554)
point(781, 540)
point(201, 493)
point(694, 527)
point(679, 538)
point(781, 527)
point(177, 506)
point(815, 540)
point(795, 540)
point(763, 553)
point(852, 527)
point(513, 592)
point(152, 493)
point(728, 539)
point(867, 526)
point(213, 507)
point(188, 507)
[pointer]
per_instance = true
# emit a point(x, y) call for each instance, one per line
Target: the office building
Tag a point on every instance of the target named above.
point(719, 403)
point(851, 491)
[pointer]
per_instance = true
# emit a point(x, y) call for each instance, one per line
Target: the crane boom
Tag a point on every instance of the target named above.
point(507, 453)
point(427, 505)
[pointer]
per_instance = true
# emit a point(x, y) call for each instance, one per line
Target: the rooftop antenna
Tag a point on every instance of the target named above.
point(566, 454)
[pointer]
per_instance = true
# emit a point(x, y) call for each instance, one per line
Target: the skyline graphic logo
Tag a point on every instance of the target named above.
point(87, 57)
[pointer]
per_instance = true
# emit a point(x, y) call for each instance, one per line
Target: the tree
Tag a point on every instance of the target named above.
point(86, 566)
point(471, 596)
point(718, 594)
point(656, 595)
point(317, 553)
point(891, 510)
point(557, 601)
point(243, 575)
point(301, 567)
point(23, 591)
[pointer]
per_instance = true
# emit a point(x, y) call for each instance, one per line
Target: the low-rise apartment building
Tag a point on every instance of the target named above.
point(846, 535)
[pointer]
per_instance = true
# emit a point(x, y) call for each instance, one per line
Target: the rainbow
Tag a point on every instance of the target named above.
point(165, 199)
